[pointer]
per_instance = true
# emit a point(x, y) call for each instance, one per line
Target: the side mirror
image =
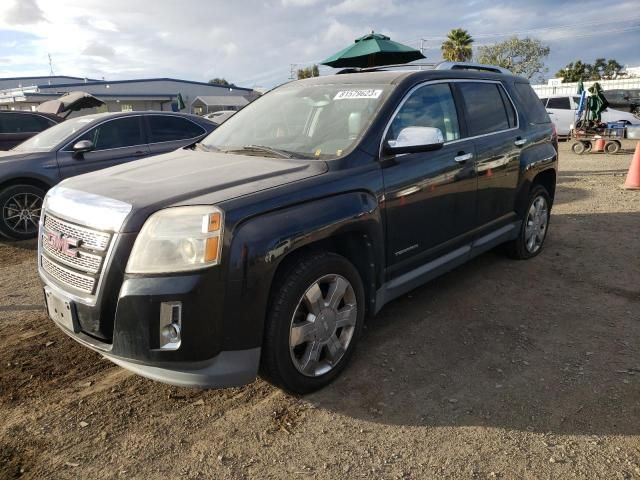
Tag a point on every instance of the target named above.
point(415, 139)
point(83, 146)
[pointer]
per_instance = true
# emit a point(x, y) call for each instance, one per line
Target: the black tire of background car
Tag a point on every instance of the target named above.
point(276, 365)
point(5, 195)
point(516, 248)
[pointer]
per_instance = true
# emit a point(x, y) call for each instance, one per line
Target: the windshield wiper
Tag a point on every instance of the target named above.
point(263, 149)
point(205, 148)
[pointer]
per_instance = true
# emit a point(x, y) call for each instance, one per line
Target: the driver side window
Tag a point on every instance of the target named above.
point(428, 106)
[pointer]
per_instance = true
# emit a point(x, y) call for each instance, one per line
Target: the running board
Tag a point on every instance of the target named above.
point(427, 272)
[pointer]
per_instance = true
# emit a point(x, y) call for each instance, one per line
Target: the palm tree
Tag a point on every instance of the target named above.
point(457, 46)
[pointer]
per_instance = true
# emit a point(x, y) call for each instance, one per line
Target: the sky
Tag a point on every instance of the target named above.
point(253, 43)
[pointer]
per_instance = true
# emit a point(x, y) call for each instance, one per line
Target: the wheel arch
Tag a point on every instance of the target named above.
point(263, 247)
point(25, 180)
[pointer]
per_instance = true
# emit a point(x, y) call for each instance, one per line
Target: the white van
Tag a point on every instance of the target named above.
point(562, 110)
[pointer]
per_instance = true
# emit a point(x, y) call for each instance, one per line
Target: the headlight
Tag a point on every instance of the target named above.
point(178, 239)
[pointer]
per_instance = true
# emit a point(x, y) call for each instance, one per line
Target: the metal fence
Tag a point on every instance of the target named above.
point(572, 88)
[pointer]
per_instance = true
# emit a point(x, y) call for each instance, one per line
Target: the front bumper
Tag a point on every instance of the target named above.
point(212, 353)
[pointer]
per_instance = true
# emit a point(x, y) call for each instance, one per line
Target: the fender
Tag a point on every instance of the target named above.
point(260, 244)
point(534, 160)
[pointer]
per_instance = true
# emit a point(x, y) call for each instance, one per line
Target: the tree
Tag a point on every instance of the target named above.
point(522, 56)
point(457, 46)
point(602, 69)
point(220, 81)
point(308, 72)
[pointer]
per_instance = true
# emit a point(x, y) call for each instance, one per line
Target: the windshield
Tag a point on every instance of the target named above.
point(301, 120)
point(49, 138)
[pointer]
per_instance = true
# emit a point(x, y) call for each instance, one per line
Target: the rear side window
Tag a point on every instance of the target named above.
point(528, 101)
point(167, 128)
point(561, 103)
point(24, 123)
point(485, 109)
point(544, 101)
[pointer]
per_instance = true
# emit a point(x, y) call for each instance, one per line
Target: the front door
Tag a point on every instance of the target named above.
point(115, 141)
point(430, 197)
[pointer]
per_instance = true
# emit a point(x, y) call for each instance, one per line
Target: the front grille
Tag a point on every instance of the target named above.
point(63, 275)
point(81, 270)
point(91, 239)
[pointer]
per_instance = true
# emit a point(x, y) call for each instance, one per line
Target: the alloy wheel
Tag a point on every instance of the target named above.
point(536, 224)
point(21, 213)
point(323, 325)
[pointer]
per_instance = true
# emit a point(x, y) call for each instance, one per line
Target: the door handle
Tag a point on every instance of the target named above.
point(463, 157)
point(139, 153)
point(520, 142)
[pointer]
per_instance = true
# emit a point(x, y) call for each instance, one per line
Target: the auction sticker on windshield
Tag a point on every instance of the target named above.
point(351, 94)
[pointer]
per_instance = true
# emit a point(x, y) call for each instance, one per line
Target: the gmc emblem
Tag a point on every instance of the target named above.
point(65, 245)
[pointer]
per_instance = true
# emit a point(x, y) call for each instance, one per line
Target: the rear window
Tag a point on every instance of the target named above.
point(486, 112)
point(166, 128)
point(561, 103)
point(24, 123)
point(530, 103)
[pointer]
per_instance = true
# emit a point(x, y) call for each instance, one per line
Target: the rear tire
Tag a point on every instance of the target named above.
point(316, 316)
point(20, 207)
point(612, 147)
point(535, 225)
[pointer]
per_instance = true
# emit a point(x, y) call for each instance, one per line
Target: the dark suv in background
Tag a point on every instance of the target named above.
point(266, 245)
point(80, 145)
point(16, 127)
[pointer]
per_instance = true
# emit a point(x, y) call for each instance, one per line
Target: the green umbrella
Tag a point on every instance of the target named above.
point(373, 50)
point(180, 102)
point(596, 102)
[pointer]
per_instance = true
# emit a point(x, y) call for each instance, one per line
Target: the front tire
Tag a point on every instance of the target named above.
point(20, 207)
point(535, 225)
point(316, 316)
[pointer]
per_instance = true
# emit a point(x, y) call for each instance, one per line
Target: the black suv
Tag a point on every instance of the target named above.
point(80, 145)
point(16, 127)
point(265, 246)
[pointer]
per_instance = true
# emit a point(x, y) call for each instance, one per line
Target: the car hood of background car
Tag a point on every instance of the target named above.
point(174, 178)
point(11, 156)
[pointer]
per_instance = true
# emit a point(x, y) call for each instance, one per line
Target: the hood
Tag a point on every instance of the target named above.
point(11, 156)
point(173, 178)
point(70, 102)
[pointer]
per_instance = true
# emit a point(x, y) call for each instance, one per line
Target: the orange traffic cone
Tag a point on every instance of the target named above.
point(599, 145)
point(633, 177)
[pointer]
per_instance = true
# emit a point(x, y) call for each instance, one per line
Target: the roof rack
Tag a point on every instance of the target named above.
point(433, 66)
point(471, 66)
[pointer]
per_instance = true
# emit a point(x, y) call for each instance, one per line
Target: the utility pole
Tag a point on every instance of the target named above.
point(422, 42)
point(50, 65)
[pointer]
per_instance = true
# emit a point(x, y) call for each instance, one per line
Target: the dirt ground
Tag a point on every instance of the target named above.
point(499, 369)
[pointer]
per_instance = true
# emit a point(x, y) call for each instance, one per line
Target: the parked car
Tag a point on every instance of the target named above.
point(81, 145)
point(625, 100)
point(219, 116)
point(562, 110)
point(18, 126)
point(266, 245)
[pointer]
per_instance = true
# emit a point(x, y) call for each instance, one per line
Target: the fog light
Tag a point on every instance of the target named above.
point(170, 325)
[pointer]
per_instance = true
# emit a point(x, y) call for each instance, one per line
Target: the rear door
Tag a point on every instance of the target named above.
point(116, 141)
point(170, 132)
point(493, 125)
point(429, 196)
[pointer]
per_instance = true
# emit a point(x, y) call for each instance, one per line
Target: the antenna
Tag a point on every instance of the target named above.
point(51, 74)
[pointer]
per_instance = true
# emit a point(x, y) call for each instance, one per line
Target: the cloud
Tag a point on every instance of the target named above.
point(254, 42)
point(24, 12)
point(97, 49)
point(366, 7)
